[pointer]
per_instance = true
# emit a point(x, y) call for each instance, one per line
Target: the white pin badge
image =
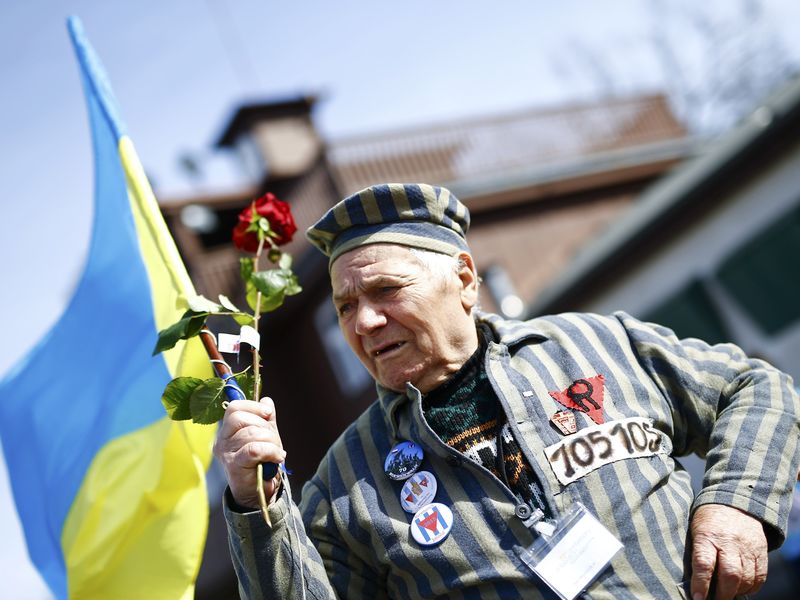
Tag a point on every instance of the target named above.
point(418, 490)
point(431, 524)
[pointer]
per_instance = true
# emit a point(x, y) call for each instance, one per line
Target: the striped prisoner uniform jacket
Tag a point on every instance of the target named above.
point(350, 537)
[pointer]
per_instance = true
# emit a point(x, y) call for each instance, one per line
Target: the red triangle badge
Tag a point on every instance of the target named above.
point(430, 522)
point(585, 395)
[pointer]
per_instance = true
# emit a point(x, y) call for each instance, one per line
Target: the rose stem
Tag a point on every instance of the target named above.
point(262, 500)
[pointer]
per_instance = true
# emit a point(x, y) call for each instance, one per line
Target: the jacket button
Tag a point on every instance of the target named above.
point(522, 510)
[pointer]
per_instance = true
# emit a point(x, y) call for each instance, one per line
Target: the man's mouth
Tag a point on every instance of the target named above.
point(383, 350)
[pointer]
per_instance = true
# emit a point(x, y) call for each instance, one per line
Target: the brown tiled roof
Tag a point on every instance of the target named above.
point(476, 148)
point(489, 162)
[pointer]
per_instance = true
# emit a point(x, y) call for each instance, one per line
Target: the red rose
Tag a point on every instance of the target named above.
point(279, 215)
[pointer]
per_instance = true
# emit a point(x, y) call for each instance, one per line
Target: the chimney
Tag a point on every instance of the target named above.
point(274, 140)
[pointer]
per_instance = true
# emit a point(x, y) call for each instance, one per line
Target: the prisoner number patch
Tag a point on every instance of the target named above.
point(593, 447)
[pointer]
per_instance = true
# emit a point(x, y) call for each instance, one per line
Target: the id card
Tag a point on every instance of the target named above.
point(577, 552)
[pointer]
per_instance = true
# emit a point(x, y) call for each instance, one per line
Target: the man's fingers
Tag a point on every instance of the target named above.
point(732, 542)
point(264, 408)
point(243, 413)
point(754, 574)
point(704, 559)
point(760, 577)
point(242, 420)
point(248, 436)
point(254, 432)
point(252, 454)
point(730, 575)
point(267, 403)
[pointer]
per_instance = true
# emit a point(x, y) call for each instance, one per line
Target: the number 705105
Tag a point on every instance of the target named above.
point(593, 447)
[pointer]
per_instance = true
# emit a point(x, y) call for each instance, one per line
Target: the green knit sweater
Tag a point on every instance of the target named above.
point(465, 413)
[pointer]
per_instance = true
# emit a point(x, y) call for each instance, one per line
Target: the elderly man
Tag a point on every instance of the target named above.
point(506, 458)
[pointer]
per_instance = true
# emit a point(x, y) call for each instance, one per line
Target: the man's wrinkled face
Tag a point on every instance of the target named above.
point(404, 322)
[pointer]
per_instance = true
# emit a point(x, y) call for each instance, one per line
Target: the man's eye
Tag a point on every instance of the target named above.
point(344, 309)
point(388, 289)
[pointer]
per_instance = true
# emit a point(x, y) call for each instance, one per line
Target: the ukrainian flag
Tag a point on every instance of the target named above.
point(110, 492)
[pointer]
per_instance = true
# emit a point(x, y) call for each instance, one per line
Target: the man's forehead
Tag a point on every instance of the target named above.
point(374, 257)
point(372, 262)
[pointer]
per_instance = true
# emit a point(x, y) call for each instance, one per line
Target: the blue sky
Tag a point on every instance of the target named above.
point(179, 67)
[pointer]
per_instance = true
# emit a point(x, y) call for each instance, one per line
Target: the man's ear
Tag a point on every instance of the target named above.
point(468, 276)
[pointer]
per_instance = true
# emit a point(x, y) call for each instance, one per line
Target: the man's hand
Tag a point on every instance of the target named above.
point(731, 542)
point(248, 437)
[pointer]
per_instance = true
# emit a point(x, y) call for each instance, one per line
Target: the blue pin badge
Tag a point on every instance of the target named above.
point(403, 461)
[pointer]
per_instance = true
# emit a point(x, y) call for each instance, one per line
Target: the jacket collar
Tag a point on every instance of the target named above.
point(506, 332)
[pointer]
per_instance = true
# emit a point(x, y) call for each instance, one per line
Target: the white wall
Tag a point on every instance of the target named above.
point(697, 252)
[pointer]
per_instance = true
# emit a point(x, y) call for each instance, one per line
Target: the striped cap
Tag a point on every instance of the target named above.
point(415, 215)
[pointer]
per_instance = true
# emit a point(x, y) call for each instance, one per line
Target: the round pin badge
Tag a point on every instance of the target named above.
point(418, 490)
point(403, 461)
point(431, 524)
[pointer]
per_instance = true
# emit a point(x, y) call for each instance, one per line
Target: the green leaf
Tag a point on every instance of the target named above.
point(275, 285)
point(246, 381)
point(271, 282)
point(251, 295)
point(205, 402)
point(200, 304)
point(242, 318)
point(176, 397)
point(268, 302)
point(196, 324)
point(190, 325)
point(226, 303)
point(246, 267)
point(263, 224)
point(293, 286)
point(272, 285)
point(285, 261)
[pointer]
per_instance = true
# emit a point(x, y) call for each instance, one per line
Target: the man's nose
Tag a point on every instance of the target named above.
point(369, 319)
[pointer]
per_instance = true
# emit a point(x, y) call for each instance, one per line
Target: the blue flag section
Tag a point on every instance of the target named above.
point(110, 492)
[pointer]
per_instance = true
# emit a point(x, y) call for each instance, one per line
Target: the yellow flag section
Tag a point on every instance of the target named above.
point(138, 524)
point(110, 493)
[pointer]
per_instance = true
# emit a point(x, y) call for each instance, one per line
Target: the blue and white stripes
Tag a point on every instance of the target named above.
point(414, 215)
point(740, 412)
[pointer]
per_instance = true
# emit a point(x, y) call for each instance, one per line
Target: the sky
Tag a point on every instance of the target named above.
point(180, 67)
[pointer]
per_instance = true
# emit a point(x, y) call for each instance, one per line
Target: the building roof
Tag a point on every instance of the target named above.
point(246, 115)
point(691, 185)
point(551, 142)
